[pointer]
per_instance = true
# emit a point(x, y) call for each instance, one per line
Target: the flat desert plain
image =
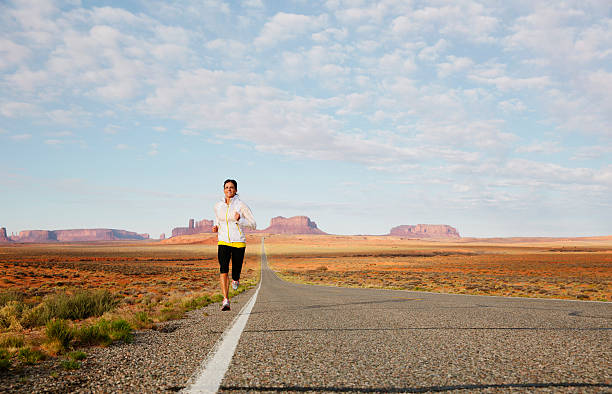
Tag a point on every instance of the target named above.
point(579, 268)
point(152, 282)
point(130, 270)
point(570, 269)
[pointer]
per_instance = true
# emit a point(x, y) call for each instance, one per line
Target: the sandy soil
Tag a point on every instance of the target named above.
point(130, 269)
point(526, 267)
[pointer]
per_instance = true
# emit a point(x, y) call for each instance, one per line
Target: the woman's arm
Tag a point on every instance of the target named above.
point(246, 218)
point(215, 226)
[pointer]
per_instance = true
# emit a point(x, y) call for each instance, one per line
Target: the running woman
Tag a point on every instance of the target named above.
point(231, 215)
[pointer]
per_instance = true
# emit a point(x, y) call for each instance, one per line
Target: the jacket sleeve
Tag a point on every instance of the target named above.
point(246, 217)
point(215, 220)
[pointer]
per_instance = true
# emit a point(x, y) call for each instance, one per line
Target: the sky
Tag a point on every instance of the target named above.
point(494, 117)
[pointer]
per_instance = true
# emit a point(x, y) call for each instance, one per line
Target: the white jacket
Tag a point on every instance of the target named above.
point(229, 230)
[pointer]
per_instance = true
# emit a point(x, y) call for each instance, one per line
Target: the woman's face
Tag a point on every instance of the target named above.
point(229, 189)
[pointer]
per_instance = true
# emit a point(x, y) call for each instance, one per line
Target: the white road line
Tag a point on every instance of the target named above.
point(218, 360)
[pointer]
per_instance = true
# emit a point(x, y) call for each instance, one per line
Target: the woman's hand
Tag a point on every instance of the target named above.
point(215, 229)
point(237, 216)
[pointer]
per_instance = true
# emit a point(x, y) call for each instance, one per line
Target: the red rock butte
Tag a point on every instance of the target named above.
point(425, 231)
point(203, 226)
point(77, 235)
point(3, 236)
point(292, 225)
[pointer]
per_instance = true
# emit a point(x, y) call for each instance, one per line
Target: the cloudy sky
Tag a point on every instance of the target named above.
point(494, 117)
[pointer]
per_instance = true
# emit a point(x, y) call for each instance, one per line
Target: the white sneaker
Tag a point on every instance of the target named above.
point(235, 284)
point(226, 305)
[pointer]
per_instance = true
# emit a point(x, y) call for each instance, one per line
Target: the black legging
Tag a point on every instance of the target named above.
point(226, 253)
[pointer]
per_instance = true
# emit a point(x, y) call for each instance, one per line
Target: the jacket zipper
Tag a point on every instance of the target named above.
point(227, 224)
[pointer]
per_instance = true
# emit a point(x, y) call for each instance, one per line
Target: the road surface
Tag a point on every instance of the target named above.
point(305, 338)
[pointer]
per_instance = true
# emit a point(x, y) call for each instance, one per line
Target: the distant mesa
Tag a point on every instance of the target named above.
point(3, 236)
point(278, 225)
point(203, 226)
point(425, 231)
point(76, 235)
point(292, 225)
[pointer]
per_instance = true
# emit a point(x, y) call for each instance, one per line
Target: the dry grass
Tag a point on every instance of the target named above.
point(149, 283)
point(546, 269)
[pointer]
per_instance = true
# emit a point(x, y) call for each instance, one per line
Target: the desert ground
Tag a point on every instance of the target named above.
point(56, 298)
point(152, 282)
point(578, 269)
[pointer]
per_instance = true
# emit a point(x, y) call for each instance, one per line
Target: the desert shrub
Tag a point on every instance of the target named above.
point(93, 334)
point(12, 341)
point(104, 332)
point(171, 313)
point(10, 295)
point(10, 315)
point(35, 317)
point(80, 305)
point(196, 302)
point(58, 329)
point(29, 356)
point(71, 364)
point(120, 329)
point(141, 320)
point(77, 355)
point(5, 360)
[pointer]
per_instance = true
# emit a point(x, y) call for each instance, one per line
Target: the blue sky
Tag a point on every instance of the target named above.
point(494, 117)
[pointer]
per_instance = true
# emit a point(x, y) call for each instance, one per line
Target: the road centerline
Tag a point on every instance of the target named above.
point(209, 376)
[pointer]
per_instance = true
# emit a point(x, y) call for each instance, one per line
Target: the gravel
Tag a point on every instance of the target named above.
point(161, 360)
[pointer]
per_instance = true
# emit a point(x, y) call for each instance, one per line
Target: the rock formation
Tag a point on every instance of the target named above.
point(292, 225)
point(77, 235)
point(162, 236)
point(203, 226)
point(425, 231)
point(3, 236)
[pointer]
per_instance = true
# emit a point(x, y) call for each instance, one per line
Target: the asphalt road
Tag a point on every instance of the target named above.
point(326, 339)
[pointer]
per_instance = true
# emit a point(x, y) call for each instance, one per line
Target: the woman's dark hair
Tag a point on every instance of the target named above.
point(232, 181)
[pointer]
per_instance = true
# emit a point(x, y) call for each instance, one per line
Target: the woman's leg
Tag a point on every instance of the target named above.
point(224, 281)
point(237, 259)
point(224, 255)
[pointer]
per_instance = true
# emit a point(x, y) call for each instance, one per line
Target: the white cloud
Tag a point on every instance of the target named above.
point(541, 147)
point(189, 132)
point(21, 137)
point(431, 53)
point(398, 62)
point(475, 23)
point(592, 152)
point(253, 3)
point(121, 146)
point(284, 26)
point(153, 149)
point(230, 48)
point(506, 83)
point(16, 109)
point(330, 34)
point(111, 129)
point(64, 133)
point(54, 142)
point(454, 65)
point(559, 36)
point(26, 80)
point(512, 105)
point(160, 129)
point(12, 54)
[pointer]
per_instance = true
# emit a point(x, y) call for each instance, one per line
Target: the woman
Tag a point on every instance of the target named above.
point(231, 215)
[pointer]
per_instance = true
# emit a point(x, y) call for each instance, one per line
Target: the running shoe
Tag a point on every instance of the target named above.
point(235, 284)
point(226, 305)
